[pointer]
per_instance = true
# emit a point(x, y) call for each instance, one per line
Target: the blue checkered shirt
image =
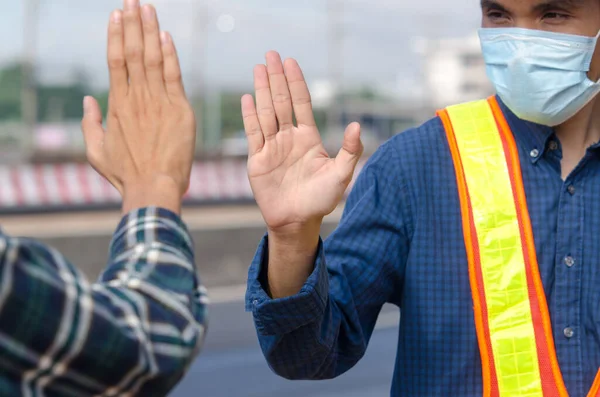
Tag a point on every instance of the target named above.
point(133, 332)
point(400, 241)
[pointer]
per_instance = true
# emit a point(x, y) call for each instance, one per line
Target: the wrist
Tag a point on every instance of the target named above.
point(160, 192)
point(297, 237)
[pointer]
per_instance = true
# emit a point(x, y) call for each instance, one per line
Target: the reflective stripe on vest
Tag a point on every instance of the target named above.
point(511, 314)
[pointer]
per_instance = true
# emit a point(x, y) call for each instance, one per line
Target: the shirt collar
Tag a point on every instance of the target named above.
point(532, 137)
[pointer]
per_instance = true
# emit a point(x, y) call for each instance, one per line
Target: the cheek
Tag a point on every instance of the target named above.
point(594, 73)
point(485, 22)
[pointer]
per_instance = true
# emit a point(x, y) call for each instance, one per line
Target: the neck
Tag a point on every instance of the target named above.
point(581, 131)
point(577, 134)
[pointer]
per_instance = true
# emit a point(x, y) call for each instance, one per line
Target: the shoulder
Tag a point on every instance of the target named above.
point(419, 142)
point(412, 151)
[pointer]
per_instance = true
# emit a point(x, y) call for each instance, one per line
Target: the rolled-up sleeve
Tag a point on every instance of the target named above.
point(276, 316)
point(323, 331)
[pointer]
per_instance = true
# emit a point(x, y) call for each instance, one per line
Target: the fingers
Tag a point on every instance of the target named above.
point(153, 57)
point(91, 125)
point(300, 94)
point(252, 125)
point(279, 91)
point(116, 54)
point(172, 70)
point(134, 42)
point(350, 153)
point(264, 102)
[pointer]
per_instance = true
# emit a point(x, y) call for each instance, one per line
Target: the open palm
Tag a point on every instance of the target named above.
point(293, 178)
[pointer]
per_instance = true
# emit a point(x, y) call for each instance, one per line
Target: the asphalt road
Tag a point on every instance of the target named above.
point(232, 365)
point(225, 238)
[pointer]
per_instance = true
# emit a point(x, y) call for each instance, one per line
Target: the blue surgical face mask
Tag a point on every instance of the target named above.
point(541, 76)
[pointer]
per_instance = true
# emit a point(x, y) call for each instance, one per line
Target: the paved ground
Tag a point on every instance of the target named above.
point(232, 364)
point(77, 224)
point(225, 238)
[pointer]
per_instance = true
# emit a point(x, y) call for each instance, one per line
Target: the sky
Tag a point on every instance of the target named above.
point(235, 35)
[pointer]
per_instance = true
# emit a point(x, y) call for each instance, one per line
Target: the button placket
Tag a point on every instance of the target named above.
point(568, 268)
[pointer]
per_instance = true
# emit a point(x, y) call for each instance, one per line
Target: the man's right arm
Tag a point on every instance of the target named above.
point(315, 307)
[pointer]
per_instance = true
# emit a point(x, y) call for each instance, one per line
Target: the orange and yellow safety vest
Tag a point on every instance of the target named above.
point(511, 313)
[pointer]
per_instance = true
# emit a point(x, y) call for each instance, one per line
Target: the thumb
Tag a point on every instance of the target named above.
point(350, 153)
point(91, 125)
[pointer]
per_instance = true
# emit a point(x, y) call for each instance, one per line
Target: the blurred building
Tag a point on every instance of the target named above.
point(453, 71)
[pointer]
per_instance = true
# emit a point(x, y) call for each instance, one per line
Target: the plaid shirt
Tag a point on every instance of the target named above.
point(401, 241)
point(133, 332)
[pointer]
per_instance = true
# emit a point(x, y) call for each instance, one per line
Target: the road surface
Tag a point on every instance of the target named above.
point(225, 238)
point(79, 224)
point(232, 365)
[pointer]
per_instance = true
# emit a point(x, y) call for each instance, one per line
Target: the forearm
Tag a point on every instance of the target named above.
point(320, 319)
point(151, 277)
point(153, 251)
point(161, 192)
point(148, 305)
point(310, 321)
point(291, 258)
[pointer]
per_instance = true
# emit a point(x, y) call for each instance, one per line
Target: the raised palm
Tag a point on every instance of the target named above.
point(293, 178)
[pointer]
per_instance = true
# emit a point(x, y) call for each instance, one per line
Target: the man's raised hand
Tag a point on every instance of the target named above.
point(294, 181)
point(147, 150)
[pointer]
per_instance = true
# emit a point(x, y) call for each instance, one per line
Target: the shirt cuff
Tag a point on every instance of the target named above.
point(150, 233)
point(284, 315)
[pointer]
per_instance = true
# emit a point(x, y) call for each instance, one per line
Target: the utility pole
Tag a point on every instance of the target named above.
point(29, 100)
point(200, 21)
point(335, 59)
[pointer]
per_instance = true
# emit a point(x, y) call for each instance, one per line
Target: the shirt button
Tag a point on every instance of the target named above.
point(569, 261)
point(255, 302)
point(553, 145)
point(534, 153)
point(571, 189)
point(569, 332)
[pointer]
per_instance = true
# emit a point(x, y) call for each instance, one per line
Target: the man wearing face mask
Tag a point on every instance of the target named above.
point(482, 225)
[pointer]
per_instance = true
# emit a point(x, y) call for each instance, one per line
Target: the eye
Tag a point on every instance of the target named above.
point(497, 16)
point(555, 17)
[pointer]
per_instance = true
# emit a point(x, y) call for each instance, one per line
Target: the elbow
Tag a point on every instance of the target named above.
point(180, 353)
point(303, 373)
point(320, 366)
point(175, 361)
point(299, 373)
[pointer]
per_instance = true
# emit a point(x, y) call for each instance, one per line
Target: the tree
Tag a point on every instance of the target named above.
point(231, 114)
point(56, 102)
point(11, 80)
point(62, 102)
